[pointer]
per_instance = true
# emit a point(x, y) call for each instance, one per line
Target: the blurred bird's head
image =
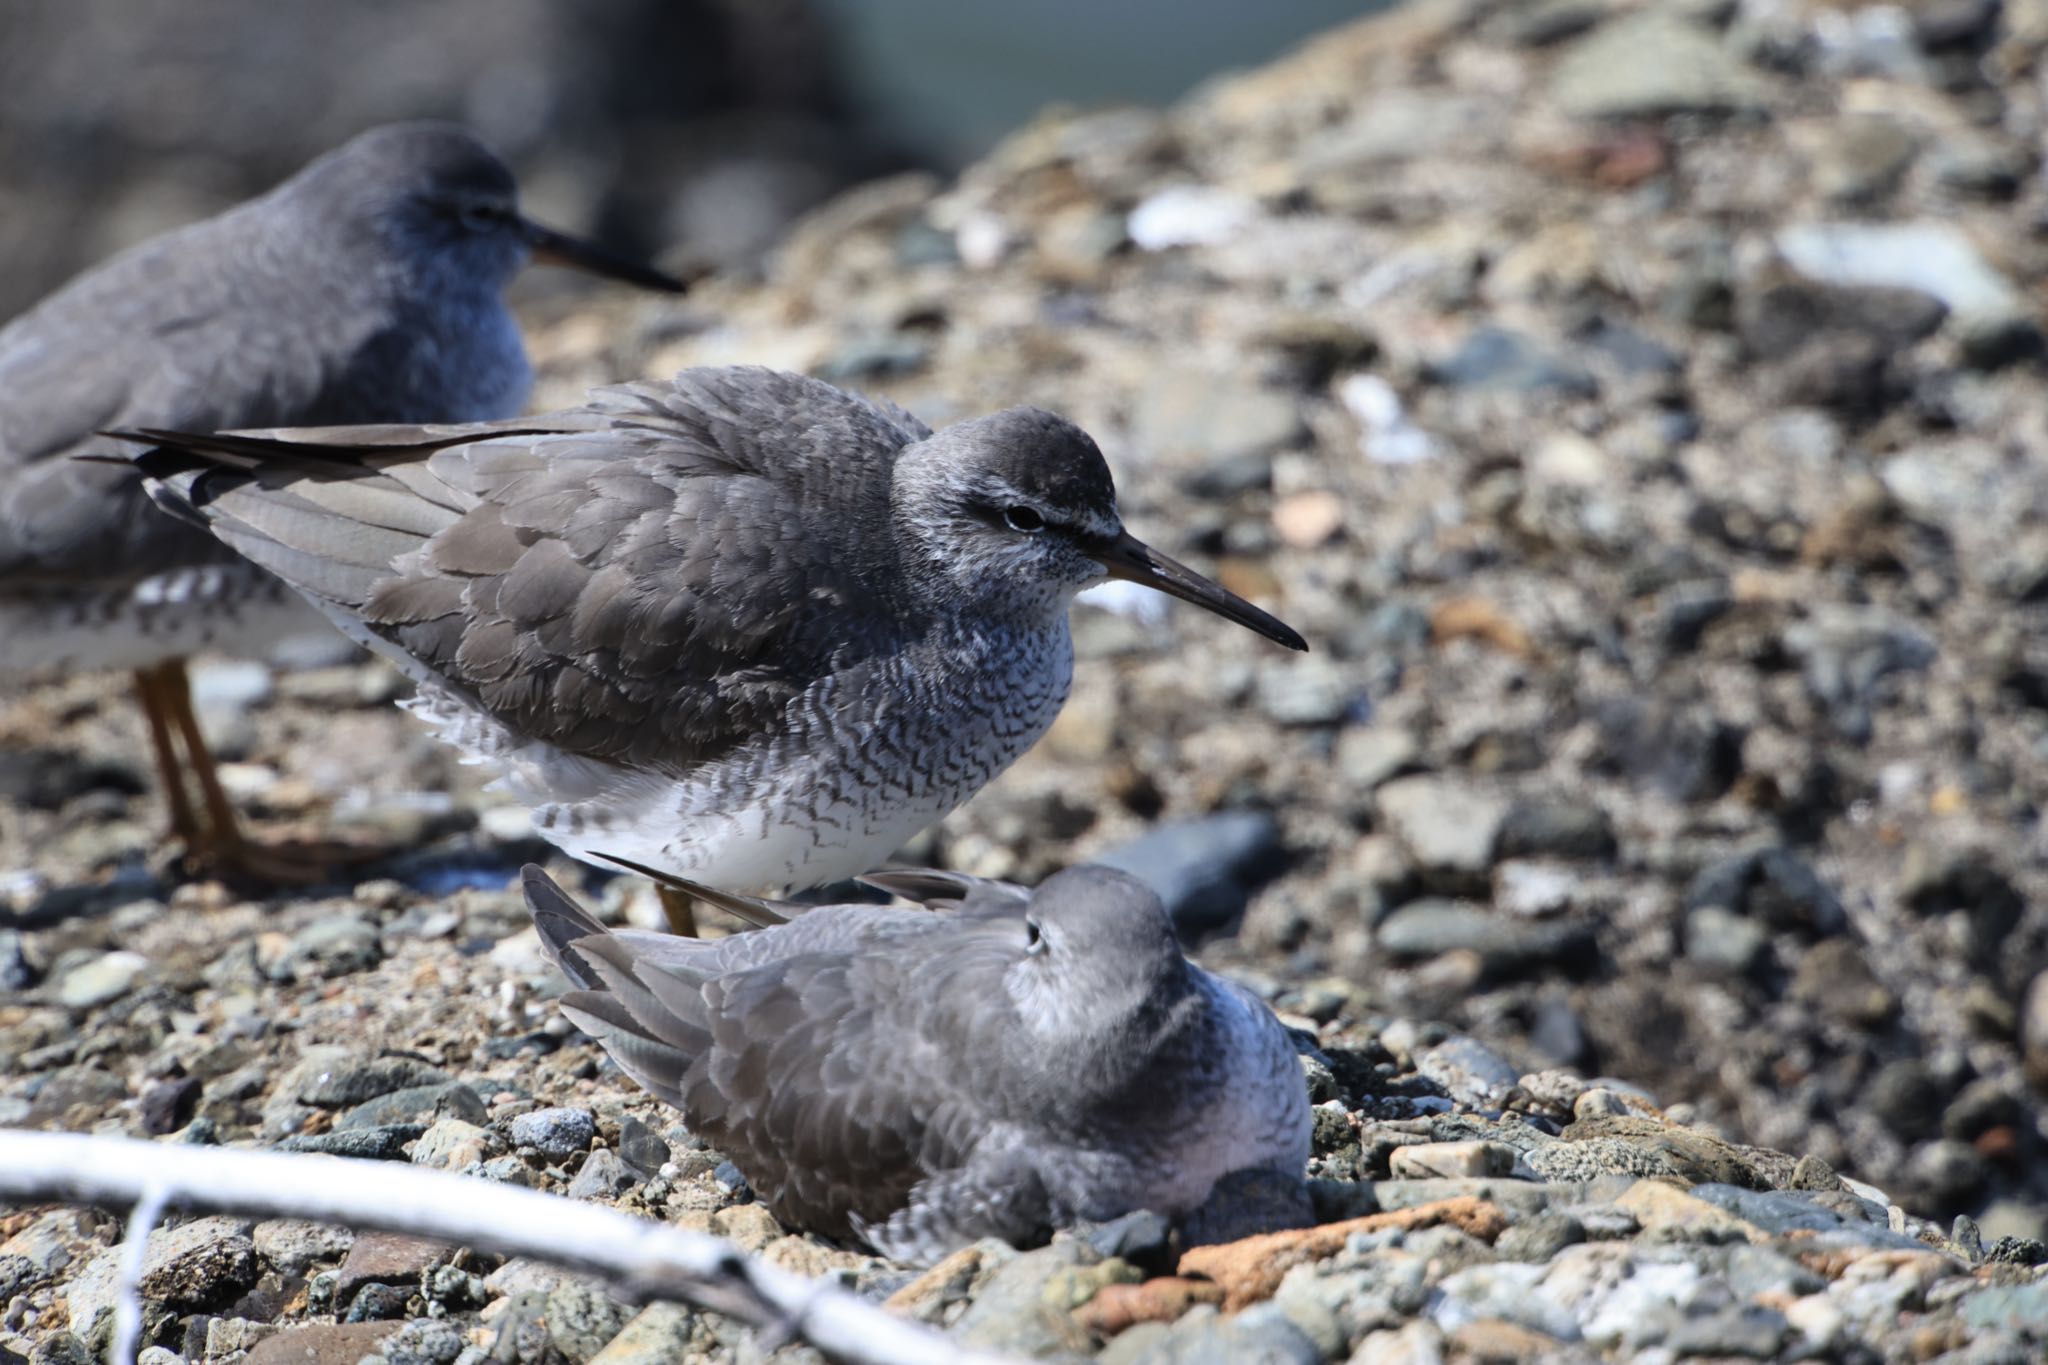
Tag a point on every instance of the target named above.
point(440, 205)
point(1020, 505)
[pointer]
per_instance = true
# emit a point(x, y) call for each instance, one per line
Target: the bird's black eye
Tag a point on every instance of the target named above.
point(1034, 937)
point(481, 217)
point(1025, 519)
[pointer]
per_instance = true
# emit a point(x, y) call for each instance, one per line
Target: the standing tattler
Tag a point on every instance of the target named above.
point(368, 288)
point(742, 626)
point(920, 1079)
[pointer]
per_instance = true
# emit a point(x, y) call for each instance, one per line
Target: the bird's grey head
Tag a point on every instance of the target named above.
point(426, 195)
point(433, 202)
point(1019, 507)
point(1011, 503)
point(1095, 952)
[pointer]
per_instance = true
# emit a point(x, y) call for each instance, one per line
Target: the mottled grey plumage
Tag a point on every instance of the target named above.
point(367, 288)
point(921, 1079)
point(741, 626)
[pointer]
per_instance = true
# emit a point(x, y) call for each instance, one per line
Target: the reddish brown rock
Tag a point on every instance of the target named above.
point(1118, 1306)
point(1251, 1269)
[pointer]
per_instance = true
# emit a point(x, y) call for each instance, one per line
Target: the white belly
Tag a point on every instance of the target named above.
point(230, 608)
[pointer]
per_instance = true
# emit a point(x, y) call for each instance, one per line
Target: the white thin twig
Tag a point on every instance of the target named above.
point(642, 1259)
point(148, 1212)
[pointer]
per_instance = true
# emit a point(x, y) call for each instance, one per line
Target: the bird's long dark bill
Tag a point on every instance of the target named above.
point(559, 248)
point(1134, 561)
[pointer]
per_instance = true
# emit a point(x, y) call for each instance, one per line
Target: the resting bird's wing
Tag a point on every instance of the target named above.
point(816, 1054)
point(150, 338)
point(626, 581)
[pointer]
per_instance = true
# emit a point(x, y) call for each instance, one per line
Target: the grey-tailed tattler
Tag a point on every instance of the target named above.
point(920, 1079)
point(742, 626)
point(367, 288)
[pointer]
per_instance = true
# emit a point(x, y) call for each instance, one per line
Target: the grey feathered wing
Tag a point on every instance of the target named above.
point(628, 579)
point(139, 341)
point(819, 1057)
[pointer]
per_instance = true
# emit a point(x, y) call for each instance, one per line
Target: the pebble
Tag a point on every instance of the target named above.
point(452, 1144)
point(557, 1134)
point(106, 977)
point(602, 1176)
point(658, 1334)
point(1449, 827)
point(1204, 870)
point(1370, 755)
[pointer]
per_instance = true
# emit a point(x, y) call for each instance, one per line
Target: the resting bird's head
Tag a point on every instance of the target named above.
point(1095, 954)
point(1020, 505)
point(443, 208)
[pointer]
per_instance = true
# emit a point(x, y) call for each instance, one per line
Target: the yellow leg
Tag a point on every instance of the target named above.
point(223, 839)
point(149, 691)
point(680, 909)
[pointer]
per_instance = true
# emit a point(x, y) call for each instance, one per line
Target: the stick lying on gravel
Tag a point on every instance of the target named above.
point(641, 1259)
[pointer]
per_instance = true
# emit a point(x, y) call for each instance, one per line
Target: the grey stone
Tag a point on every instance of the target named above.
point(1507, 945)
point(18, 1274)
point(424, 1341)
point(198, 1263)
point(1931, 258)
point(337, 945)
point(290, 1245)
point(1502, 1290)
point(556, 1134)
point(1204, 870)
point(106, 977)
point(1745, 1330)
point(1469, 1071)
point(340, 1084)
point(1555, 827)
point(582, 1319)
point(1306, 692)
point(640, 1147)
point(1011, 1312)
point(1188, 415)
point(1245, 1203)
point(384, 1143)
point(448, 1099)
point(1723, 941)
point(1537, 1239)
point(1649, 64)
point(1203, 1337)
point(1369, 755)
point(1493, 359)
point(1449, 827)
point(603, 1176)
point(658, 1335)
point(455, 1144)
point(1772, 885)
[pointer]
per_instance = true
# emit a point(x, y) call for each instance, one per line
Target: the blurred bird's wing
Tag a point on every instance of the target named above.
point(632, 581)
point(144, 339)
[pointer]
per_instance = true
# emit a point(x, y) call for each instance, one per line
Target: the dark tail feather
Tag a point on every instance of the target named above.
point(561, 922)
point(754, 910)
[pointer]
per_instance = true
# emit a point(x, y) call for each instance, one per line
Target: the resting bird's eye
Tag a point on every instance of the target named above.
point(481, 217)
point(1025, 519)
point(1034, 937)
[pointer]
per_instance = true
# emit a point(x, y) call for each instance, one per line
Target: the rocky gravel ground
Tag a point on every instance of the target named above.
point(1641, 410)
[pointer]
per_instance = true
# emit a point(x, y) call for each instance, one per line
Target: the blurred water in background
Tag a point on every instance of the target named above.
point(948, 79)
point(691, 128)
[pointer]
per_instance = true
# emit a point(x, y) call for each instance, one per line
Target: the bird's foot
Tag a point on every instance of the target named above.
point(246, 862)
